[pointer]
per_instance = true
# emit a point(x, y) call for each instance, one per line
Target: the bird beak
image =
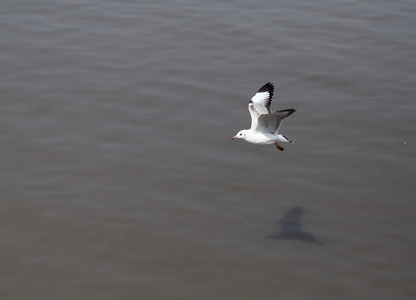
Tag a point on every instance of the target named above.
point(234, 137)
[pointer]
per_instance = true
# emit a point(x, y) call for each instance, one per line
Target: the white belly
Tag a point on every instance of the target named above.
point(260, 138)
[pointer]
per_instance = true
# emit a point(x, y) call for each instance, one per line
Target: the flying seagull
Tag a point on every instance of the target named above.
point(265, 124)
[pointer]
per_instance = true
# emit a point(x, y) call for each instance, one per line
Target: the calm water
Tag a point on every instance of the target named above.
point(119, 179)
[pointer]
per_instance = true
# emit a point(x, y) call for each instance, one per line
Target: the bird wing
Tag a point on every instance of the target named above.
point(271, 122)
point(260, 103)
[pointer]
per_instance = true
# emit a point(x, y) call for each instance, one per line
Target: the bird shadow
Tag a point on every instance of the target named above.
point(290, 228)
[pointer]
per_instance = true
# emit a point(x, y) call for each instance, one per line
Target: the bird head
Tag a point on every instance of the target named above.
point(240, 135)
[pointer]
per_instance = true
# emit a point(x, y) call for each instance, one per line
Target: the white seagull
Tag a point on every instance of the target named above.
point(265, 124)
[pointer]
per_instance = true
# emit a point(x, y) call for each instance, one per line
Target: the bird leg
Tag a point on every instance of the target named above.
point(279, 147)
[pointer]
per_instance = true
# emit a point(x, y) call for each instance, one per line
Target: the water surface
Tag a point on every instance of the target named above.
point(119, 178)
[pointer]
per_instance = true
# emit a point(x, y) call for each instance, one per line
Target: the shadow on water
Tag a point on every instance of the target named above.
point(290, 228)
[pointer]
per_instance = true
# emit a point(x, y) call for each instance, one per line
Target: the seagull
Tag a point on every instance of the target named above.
point(265, 124)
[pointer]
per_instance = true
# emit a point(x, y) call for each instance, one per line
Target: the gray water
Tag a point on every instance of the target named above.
point(119, 179)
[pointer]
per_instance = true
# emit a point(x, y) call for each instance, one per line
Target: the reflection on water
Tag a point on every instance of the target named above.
point(290, 228)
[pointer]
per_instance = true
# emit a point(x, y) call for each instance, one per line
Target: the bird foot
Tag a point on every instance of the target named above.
point(279, 147)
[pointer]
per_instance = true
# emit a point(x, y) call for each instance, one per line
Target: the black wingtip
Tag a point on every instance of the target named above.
point(284, 113)
point(268, 87)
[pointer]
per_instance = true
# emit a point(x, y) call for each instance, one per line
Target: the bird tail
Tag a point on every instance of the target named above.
point(282, 138)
